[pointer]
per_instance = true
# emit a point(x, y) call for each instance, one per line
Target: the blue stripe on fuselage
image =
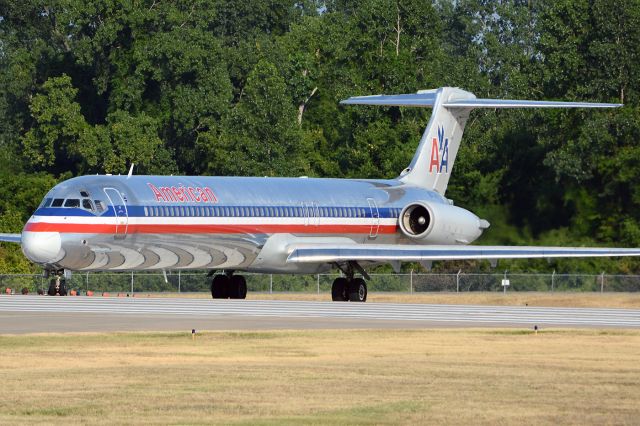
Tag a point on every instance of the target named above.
point(219, 211)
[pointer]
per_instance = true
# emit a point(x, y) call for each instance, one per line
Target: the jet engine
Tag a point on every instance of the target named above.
point(434, 223)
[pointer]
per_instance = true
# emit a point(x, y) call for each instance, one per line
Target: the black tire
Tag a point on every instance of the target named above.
point(238, 287)
point(63, 287)
point(339, 290)
point(358, 290)
point(52, 288)
point(219, 285)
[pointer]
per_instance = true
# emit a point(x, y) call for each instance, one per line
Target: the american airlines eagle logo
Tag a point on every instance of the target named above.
point(439, 153)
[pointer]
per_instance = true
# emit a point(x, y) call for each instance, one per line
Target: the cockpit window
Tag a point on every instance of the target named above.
point(72, 202)
point(46, 203)
point(86, 204)
point(84, 193)
point(57, 202)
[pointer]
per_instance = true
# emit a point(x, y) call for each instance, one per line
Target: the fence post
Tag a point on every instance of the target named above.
point(131, 282)
point(458, 281)
point(553, 278)
point(270, 283)
point(87, 283)
point(178, 280)
point(318, 282)
point(602, 282)
point(411, 282)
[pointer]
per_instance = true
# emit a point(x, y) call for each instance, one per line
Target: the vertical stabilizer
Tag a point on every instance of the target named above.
point(433, 161)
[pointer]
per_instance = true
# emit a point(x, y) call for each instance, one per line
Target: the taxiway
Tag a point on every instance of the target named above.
point(34, 314)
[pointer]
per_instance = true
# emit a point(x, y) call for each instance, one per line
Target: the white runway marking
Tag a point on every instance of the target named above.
point(456, 315)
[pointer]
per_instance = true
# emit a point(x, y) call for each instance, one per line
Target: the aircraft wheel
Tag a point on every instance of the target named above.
point(219, 285)
point(63, 287)
point(238, 287)
point(52, 288)
point(358, 290)
point(339, 290)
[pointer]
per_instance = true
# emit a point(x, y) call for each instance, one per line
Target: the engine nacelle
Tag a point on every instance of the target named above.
point(434, 223)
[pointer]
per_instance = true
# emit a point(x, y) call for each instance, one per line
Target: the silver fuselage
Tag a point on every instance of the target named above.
point(224, 223)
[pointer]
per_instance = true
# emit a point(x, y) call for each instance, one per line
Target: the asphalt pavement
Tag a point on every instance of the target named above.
point(43, 314)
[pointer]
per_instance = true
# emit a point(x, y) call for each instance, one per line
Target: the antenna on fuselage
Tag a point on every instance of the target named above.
point(130, 171)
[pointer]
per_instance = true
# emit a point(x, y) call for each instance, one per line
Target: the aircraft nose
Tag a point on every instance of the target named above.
point(42, 247)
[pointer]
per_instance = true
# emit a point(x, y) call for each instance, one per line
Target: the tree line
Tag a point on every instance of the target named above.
point(224, 87)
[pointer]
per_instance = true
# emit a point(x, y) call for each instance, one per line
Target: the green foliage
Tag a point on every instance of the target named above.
point(252, 88)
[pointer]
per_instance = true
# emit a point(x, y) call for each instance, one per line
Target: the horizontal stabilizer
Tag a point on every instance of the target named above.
point(427, 98)
point(411, 100)
point(414, 253)
point(506, 103)
point(11, 238)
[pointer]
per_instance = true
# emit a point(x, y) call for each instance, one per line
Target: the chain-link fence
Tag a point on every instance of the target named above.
point(138, 282)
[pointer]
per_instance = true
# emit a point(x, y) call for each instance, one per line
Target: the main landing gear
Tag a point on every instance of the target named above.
point(228, 286)
point(349, 288)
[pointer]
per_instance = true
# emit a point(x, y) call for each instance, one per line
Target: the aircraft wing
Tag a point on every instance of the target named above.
point(324, 253)
point(11, 238)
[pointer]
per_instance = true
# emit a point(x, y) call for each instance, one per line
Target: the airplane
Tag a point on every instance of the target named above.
point(280, 225)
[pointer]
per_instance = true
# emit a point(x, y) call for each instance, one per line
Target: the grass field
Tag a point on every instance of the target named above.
point(323, 377)
point(578, 300)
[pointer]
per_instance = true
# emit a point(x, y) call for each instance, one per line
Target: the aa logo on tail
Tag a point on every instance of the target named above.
point(439, 153)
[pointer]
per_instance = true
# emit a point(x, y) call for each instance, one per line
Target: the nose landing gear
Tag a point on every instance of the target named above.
point(57, 284)
point(228, 286)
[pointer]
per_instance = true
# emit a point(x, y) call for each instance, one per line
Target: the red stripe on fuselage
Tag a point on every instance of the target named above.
point(81, 228)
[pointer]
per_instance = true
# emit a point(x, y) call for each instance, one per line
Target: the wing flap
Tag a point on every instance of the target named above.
point(11, 238)
point(409, 253)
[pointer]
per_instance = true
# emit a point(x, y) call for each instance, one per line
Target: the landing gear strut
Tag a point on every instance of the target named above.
point(349, 288)
point(228, 286)
point(57, 285)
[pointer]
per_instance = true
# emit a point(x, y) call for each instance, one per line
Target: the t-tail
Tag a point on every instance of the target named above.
point(433, 161)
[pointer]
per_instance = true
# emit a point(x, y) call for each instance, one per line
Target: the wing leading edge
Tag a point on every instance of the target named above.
point(409, 253)
point(11, 238)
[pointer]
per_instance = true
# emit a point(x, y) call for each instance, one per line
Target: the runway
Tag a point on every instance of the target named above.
point(33, 314)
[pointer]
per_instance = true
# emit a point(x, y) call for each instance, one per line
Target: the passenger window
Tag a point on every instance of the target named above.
point(72, 202)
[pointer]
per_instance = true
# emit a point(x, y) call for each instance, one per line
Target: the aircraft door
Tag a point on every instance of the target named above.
point(120, 209)
point(375, 218)
point(311, 214)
